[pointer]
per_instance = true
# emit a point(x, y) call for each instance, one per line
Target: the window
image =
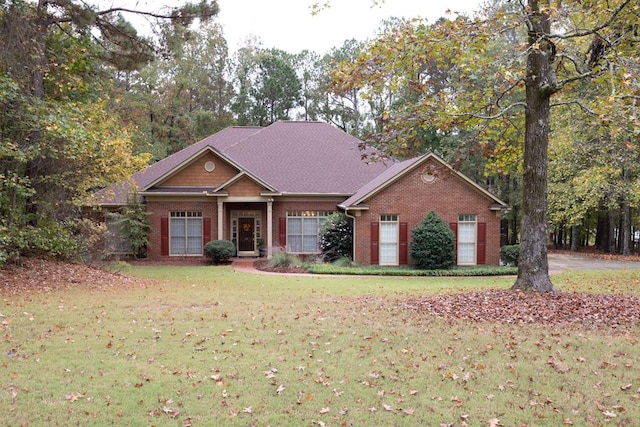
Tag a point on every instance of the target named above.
point(388, 239)
point(467, 239)
point(185, 233)
point(302, 230)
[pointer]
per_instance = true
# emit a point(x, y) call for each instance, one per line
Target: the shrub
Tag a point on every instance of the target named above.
point(134, 225)
point(219, 251)
point(509, 255)
point(432, 247)
point(62, 240)
point(284, 260)
point(336, 237)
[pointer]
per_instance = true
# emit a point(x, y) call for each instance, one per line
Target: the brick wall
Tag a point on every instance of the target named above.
point(411, 198)
point(161, 209)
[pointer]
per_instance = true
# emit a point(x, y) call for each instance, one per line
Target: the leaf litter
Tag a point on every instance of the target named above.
point(518, 307)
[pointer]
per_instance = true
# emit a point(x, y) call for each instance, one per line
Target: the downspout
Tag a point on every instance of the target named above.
point(353, 255)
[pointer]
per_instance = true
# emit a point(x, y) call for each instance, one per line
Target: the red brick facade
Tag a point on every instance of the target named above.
point(411, 198)
point(243, 182)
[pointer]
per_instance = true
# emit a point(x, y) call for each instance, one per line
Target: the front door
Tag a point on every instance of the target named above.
point(246, 235)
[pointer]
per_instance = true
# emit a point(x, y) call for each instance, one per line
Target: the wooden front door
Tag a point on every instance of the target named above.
point(246, 235)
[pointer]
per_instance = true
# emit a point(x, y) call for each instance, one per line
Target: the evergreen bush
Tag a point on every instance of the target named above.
point(219, 251)
point(509, 255)
point(134, 225)
point(336, 237)
point(432, 247)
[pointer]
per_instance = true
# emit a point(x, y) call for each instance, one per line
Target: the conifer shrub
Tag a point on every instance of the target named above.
point(432, 247)
point(336, 237)
point(509, 254)
point(219, 251)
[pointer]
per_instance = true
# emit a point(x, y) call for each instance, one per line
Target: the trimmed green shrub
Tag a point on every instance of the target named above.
point(432, 247)
point(509, 255)
point(219, 251)
point(336, 237)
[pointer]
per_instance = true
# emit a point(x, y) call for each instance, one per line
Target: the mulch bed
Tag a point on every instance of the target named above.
point(263, 265)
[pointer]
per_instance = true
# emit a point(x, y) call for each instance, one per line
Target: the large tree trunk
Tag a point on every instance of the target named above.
point(533, 265)
point(625, 220)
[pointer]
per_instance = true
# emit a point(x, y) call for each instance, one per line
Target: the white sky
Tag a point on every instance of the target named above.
point(288, 24)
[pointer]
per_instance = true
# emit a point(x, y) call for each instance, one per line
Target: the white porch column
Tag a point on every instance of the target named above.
point(269, 227)
point(220, 218)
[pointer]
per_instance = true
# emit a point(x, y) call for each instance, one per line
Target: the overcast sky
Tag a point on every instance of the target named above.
point(289, 25)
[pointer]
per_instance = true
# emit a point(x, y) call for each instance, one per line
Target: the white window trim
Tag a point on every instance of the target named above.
point(319, 216)
point(467, 219)
point(389, 219)
point(173, 215)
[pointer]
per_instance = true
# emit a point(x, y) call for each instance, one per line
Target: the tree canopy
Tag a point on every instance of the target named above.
point(495, 78)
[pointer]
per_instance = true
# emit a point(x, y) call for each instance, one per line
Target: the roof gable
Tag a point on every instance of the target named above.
point(306, 158)
point(399, 170)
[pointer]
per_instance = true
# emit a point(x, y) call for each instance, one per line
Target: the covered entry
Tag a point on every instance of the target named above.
point(247, 231)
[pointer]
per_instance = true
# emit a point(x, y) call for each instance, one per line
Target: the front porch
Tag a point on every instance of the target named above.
point(248, 223)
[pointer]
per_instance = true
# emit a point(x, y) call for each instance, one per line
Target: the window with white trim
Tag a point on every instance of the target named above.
point(467, 232)
point(389, 238)
point(302, 230)
point(185, 233)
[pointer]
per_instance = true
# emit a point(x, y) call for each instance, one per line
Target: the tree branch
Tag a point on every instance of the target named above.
point(495, 116)
point(594, 30)
point(578, 103)
point(565, 82)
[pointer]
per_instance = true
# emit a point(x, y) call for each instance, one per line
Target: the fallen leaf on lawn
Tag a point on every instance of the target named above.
point(408, 411)
point(325, 410)
point(609, 414)
point(387, 407)
point(413, 392)
point(494, 422)
point(625, 387)
point(280, 389)
point(372, 409)
point(248, 410)
point(72, 397)
point(173, 413)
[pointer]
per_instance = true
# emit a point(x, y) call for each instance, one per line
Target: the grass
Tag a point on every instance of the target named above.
point(209, 346)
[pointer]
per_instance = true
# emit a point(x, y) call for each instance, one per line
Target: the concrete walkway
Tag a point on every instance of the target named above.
point(559, 262)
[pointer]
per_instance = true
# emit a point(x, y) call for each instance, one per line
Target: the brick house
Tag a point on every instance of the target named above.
point(272, 187)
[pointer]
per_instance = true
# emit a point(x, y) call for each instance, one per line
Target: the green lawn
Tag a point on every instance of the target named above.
point(206, 346)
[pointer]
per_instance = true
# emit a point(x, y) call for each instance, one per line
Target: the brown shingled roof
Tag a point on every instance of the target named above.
point(291, 157)
point(305, 158)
